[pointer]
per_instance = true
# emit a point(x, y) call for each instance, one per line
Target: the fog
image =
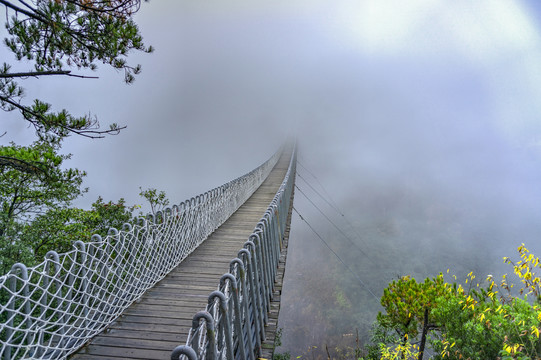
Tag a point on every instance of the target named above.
point(419, 121)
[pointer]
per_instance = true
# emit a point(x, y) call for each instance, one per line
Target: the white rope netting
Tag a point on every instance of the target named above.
point(50, 310)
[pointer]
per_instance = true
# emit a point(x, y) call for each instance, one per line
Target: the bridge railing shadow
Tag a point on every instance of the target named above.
point(233, 324)
point(50, 310)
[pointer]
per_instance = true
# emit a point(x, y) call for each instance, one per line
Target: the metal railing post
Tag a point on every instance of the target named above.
point(183, 350)
point(236, 311)
point(224, 323)
point(245, 320)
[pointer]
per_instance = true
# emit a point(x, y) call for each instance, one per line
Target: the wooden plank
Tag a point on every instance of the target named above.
point(164, 307)
point(168, 320)
point(144, 334)
point(125, 353)
point(174, 329)
point(173, 302)
point(173, 314)
point(140, 343)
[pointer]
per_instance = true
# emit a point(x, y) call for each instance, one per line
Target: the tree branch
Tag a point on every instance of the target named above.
point(127, 12)
point(21, 10)
point(423, 335)
point(20, 165)
point(92, 134)
point(28, 6)
point(19, 106)
point(44, 73)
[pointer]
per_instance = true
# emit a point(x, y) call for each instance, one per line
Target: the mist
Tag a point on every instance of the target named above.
point(420, 194)
point(419, 122)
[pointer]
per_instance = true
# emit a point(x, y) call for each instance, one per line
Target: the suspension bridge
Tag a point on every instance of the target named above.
point(200, 280)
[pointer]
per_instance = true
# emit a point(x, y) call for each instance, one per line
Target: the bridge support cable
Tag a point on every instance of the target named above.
point(331, 204)
point(329, 200)
point(363, 285)
point(233, 324)
point(50, 310)
point(335, 226)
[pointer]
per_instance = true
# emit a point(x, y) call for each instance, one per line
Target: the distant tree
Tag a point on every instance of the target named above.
point(59, 228)
point(408, 306)
point(24, 195)
point(110, 215)
point(157, 200)
point(57, 36)
point(477, 322)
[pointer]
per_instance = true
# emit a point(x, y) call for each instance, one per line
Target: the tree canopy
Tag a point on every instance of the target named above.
point(25, 194)
point(56, 37)
point(470, 321)
point(68, 38)
point(157, 199)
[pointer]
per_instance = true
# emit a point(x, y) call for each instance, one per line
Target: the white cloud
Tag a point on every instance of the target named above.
point(477, 31)
point(497, 40)
point(382, 26)
point(490, 30)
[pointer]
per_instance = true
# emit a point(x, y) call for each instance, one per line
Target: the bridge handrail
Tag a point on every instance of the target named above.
point(50, 310)
point(233, 324)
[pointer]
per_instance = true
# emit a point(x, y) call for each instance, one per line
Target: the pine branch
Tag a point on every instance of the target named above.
point(22, 11)
point(27, 5)
point(44, 73)
point(92, 134)
point(19, 164)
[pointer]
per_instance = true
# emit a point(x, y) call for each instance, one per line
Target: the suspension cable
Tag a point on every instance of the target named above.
point(320, 184)
point(321, 196)
point(336, 226)
point(337, 256)
point(330, 201)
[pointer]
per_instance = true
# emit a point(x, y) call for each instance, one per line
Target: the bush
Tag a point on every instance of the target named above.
point(478, 323)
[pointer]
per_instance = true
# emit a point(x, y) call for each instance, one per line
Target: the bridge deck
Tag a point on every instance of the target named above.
point(152, 327)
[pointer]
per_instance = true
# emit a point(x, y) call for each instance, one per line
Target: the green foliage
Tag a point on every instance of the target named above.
point(342, 301)
point(35, 213)
point(56, 36)
point(405, 351)
point(110, 215)
point(157, 200)
point(76, 33)
point(409, 305)
point(277, 343)
point(486, 330)
point(481, 322)
point(281, 356)
point(25, 194)
point(58, 228)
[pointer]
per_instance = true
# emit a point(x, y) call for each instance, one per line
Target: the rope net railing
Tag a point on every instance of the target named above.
point(233, 324)
point(50, 310)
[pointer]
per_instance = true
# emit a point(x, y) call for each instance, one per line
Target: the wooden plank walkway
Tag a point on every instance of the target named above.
point(153, 326)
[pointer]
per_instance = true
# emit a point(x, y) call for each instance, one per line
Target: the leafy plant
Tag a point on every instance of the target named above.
point(157, 199)
point(478, 322)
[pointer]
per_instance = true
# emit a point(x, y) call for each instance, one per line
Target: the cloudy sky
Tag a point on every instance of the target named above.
point(230, 79)
point(436, 101)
